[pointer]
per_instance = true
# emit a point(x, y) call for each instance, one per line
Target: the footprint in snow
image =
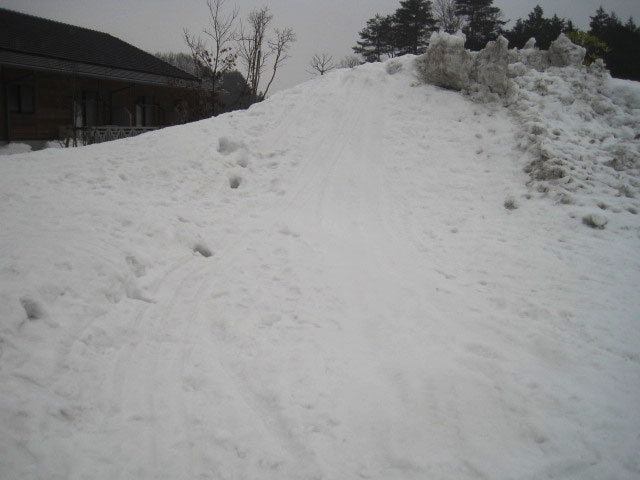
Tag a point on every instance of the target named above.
point(235, 181)
point(202, 249)
point(227, 146)
point(286, 231)
point(32, 308)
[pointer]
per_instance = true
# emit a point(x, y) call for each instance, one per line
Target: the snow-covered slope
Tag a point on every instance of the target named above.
point(325, 286)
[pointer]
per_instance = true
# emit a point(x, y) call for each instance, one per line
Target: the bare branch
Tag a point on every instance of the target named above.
point(221, 31)
point(219, 58)
point(280, 48)
point(251, 46)
point(321, 63)
point(350, 61)
point(445, 13)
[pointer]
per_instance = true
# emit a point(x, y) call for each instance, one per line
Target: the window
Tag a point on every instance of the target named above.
point(146, 111)
point(85, 109)
point(90, 100)
point(21, 98)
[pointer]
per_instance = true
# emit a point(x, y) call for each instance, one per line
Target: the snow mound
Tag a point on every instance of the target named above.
point(348, 280)
point(13, 148)
point(578, 139)
point(579, 129)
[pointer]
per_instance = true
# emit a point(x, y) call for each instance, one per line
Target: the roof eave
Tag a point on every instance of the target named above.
point(35, 62)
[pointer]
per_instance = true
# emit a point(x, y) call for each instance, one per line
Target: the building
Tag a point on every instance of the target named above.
point(62, 81)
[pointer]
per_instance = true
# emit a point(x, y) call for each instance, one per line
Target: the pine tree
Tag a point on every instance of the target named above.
point(555, 27)
point(482, 23)
point(413, 24)
point(377, 39)
point(623, 41)
point(599, 22)
point(544, 30)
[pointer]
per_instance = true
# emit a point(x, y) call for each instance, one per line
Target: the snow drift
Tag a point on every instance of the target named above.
point(353, 279)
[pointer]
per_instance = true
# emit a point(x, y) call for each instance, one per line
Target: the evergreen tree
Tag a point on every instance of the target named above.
point(482, 22)
point(413, 25)
point(599, 22)
point(544, 30)
point(377, 39)
point(630, 25)
point(623, 41)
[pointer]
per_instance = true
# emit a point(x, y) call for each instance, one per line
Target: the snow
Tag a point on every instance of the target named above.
point(13, 148)
point(578, 126)
point(18, 147)
point(353, 279)
point(446, 63)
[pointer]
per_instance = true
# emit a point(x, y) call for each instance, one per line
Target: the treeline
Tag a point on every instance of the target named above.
point(408, 29)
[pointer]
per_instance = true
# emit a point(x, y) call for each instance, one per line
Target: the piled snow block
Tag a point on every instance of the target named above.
point(564, 53)
point(447, 63)
point(533, 57)
point(491, 66)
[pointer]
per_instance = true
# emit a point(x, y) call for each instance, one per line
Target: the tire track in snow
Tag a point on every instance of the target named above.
point(150, 372)
point(135, 371)
point(222, 265)
point(281, 213)
point(145, 364)
point(326, 153)
point(175, 308)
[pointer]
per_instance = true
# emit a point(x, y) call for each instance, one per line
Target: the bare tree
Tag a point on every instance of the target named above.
point(251, 44)
point(218, 58)
point(254, 49)
point(321, 63)
point(280, 48)
point(350, 61)
point(445, 13)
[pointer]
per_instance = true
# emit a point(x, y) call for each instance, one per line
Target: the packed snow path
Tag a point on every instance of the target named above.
point(325, 286)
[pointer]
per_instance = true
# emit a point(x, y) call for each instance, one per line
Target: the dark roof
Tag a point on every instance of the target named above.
point(26, 34)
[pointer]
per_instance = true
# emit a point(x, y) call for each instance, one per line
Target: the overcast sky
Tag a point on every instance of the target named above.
point(329, 26)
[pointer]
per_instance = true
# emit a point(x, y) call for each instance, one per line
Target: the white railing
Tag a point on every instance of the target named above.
point(75, 136)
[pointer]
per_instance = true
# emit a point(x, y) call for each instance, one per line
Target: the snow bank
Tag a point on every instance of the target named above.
point(13, 148)
point(579, 129)
point(343, 281)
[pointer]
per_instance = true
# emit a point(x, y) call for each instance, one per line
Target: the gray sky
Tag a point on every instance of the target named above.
point(321, 25)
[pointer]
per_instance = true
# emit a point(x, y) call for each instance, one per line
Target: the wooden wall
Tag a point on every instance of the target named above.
point(3, 115)
point(54, 94)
